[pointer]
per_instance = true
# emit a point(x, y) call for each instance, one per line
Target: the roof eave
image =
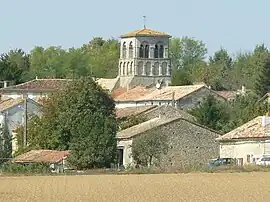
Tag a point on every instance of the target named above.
point(26, 90)
point(242, 139)
point(144, 35)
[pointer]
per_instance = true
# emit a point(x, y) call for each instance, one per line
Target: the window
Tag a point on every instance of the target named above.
point(141, 51)
point(248, 158)
point(130, 48)
point(156, 51)
point(146, 51)
point(161, 51)
point(124, 50)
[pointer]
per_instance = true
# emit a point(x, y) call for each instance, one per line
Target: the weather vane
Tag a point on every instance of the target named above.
point(144, 22)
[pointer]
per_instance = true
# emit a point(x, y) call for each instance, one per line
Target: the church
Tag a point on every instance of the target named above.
point(144, 60)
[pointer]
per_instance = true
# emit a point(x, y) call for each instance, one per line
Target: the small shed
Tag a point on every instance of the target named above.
point(56, 159)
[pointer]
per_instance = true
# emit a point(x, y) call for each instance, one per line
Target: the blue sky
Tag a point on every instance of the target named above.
point(237, 25)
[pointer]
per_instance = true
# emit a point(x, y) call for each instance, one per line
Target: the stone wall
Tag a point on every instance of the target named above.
point(168, 112)
point(191, 101)
point(189, 144)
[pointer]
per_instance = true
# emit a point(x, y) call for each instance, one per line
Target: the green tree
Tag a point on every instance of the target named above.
point(262, 85)
point(222, 57)
point(103, 56)
point(5, 143)
point(80, 118)
point(243, 109)
point(180, 77)
point(148, 149)
point(186, 52)
point(48, 63)
point(211, 113)
point(14, 65)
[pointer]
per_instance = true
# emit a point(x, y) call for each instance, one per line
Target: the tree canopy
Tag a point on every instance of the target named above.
point(80, 118)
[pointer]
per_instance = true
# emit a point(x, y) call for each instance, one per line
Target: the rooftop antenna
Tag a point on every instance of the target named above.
point(144, 22)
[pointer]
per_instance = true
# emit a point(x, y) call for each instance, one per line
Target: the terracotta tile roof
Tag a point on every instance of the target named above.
point(6, 104)
point(41, 156)
point(134, 93)
point(251, 129)
point(118, 92)
point(153, 123)
point(144, 32)
point(39, 85)
point(143, 127)
point(108, 84)
point(128, 111)
point(166, 93)
point(227, 94)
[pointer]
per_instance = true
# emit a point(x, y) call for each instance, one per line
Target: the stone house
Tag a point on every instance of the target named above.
point(182, 97)
point(248, 142)
point(190, 144)
point(12, 111)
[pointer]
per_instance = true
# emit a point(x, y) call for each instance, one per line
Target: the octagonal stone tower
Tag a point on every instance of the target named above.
point(144, 58)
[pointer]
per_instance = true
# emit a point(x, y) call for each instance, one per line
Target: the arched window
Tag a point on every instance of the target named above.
point(127, 70)
point(131, 68)
point(130, 49)
point(124, 50)
point(141, 51)
point(120, 69)
point(156, 69)
point(124, 69)
point(156, 51)
point(146, 51)
point(161, 51)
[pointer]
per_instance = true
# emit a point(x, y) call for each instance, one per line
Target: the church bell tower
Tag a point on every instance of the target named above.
point(144, 58)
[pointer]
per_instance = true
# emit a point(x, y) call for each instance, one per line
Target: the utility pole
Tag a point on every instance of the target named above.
point(25, 122)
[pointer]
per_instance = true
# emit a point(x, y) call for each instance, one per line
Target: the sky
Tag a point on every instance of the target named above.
point(236, 25)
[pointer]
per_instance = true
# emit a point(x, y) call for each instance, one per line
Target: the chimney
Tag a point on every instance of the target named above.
point(173, 101)
point(5, 84)
point(243, 90)
point(266, 119)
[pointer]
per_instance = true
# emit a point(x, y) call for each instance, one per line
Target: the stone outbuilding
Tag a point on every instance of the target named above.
point(190, 144)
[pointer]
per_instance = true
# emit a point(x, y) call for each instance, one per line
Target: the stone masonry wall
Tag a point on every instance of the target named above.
point(189, 144)
point(167, 111)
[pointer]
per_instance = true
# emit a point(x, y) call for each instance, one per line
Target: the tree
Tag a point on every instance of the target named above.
point(262, 85)
point(180, 77)
point(80, 118)
point(149, 148)
point(211, 113)
point(14, 65)
point(186, 52)
point(5, 143)
point(243, 109)
point(222, 57)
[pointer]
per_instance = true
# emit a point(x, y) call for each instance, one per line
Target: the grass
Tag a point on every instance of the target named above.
point(244, 186)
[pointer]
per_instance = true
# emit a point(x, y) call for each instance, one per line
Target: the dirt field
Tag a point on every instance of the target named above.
point(162, 187)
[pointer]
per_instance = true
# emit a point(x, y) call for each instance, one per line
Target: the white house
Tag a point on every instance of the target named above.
point(182, 97)
point(12, 112)
point(248, 142)
point(39, 88)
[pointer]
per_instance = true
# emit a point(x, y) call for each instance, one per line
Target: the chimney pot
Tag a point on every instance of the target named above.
point(5, 84)
point(243, 89)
